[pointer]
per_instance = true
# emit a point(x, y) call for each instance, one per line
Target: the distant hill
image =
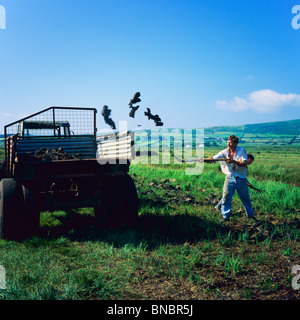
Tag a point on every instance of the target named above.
point(291, 127)
point(273, 133)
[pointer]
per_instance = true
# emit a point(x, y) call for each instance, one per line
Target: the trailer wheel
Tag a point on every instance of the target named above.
point(11, 209)
point(120, 202)
point(31, 214)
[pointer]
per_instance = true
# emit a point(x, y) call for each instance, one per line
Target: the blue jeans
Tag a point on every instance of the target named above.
point(240, 185)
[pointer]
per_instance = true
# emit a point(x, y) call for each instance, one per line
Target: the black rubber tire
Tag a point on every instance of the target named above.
point(120, 202)
point(11, 209)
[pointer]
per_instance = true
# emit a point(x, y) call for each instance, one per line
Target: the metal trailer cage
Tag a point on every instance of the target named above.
point(82, 121)
point(56, 123)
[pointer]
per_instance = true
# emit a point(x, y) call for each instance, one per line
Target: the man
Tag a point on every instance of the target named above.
point(235, 169)
point(250, 161)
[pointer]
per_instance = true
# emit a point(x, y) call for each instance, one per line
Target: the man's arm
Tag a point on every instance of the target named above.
point(238, 163)
point(221, 156)
point(243, 156)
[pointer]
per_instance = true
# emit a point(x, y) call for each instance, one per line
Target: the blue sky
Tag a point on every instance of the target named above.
point(196, 63)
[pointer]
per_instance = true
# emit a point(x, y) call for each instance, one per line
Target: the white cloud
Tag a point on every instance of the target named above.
point(264, 101)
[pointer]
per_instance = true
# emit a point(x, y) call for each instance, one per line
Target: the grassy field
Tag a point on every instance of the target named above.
point(180, 249)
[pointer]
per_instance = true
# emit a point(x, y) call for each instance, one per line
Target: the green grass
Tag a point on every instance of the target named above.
point(272, 163)
point(180, 248)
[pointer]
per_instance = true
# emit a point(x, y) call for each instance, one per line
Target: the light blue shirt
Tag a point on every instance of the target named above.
point(231, 168)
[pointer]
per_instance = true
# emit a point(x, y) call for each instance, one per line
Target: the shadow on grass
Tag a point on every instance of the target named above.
point(152, 230)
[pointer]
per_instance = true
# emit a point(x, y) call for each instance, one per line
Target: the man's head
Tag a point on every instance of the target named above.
point(232, 142)
point(250, 158)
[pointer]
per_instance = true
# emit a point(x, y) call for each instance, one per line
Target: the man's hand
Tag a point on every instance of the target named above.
point(230, 160)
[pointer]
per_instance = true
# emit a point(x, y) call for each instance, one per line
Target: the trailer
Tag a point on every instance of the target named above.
point(54, 160)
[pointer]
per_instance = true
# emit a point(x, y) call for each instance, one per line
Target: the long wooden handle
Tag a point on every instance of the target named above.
point(203, 159)
point(194, 160)
point(220, 159)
